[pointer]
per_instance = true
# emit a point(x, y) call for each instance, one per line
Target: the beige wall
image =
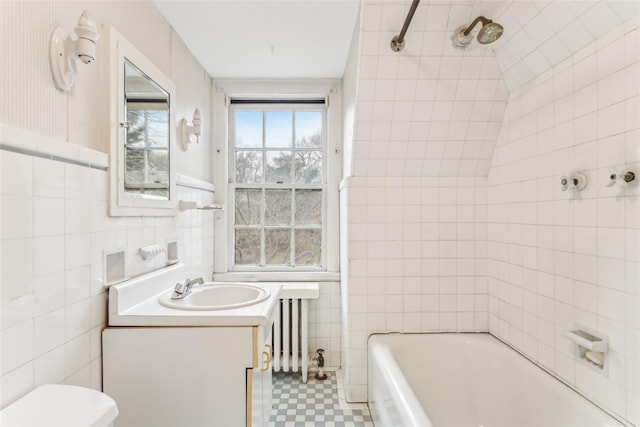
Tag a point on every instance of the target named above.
point(30, 100)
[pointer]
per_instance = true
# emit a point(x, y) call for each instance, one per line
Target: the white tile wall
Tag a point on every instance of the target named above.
point(415, 249)
point(540, 34)
point(52, 234)
point(556, 259)
point(553, 260)
point(430, 110)
point(324, 324)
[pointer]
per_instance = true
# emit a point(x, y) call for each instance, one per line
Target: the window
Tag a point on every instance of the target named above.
point(278, 184)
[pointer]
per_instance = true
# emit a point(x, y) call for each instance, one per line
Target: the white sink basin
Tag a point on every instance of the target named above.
point(217, 297)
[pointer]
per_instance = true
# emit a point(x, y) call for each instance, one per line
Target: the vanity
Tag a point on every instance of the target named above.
point(201, 360)
point(196, 366)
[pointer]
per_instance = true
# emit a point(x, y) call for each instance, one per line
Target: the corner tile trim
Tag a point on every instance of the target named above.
point(33, 153)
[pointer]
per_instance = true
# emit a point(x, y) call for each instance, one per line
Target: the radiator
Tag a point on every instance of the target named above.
point(291, 328)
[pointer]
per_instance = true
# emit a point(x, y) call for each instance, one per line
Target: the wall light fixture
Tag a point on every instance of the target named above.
point(65, 52)
point(189, 130)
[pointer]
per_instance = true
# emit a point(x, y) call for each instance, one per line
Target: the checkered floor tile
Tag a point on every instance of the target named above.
point(296, 404)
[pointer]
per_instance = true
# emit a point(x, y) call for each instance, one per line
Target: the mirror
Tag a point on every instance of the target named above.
point(146, 149)
point(142, 164)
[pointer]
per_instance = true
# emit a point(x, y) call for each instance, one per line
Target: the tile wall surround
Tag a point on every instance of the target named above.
point(413, 225)
point(541, 34)
point(580, 111)
point(432, 109)
point(53, 229)
point(324, 325)
point(556, 259)
point(415, 254)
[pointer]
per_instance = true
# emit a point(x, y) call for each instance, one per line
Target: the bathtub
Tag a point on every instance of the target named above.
point(459, 380)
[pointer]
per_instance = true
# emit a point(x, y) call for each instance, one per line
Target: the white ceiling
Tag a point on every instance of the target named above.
point(266, 38)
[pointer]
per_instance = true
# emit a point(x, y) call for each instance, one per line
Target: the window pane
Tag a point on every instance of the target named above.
point(308, 207)
point(159, 166)
point(134, 164)
point(279, 128)
point(248, 167)
point(277, 207)
point(308, 247)
point(147, 125)
point(248, 207)
point(247, 246)
point(308, 129)
point(248, 129)
point(277, 246)
point(278, 167)
point(309, 167)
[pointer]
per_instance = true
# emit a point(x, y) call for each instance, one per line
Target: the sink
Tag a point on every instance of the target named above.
point(218, 297)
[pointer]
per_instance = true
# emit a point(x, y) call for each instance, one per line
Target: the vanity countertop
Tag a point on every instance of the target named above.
point(136, 303)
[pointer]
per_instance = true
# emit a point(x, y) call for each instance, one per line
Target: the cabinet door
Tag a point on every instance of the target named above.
point(260, 387)
point(168, 377)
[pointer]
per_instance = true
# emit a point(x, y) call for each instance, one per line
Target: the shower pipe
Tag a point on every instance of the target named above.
point(397, 43)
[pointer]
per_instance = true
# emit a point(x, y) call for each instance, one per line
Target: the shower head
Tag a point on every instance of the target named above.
point(490, 32)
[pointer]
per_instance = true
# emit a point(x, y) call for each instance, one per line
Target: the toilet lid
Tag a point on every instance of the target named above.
point(61, 405)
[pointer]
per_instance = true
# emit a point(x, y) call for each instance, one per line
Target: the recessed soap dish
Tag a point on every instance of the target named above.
point(113, 266)
point(591, 346)
point(172, 252)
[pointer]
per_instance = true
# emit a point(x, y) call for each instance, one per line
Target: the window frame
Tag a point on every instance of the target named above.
point(264, 106)
point(221, 92)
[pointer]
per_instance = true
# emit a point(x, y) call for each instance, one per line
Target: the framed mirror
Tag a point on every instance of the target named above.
point(142, 154)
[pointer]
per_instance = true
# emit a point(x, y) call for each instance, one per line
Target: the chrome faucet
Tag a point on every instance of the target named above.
point(182, 290)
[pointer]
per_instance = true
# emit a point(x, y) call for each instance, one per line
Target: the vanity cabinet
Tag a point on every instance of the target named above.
point(189, 376)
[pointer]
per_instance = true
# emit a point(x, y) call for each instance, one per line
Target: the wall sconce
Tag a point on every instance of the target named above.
point(195, 129)
point(64, 52)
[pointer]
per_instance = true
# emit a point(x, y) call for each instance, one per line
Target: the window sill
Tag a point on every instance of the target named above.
point(277, 276)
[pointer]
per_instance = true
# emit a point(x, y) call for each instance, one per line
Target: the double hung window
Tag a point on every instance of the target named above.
point(278, 184)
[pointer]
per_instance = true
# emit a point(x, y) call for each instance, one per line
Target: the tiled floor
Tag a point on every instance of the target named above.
point(316, 403)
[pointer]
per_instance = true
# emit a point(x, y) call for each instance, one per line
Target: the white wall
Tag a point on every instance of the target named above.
point(53, 213)
point(557, 259)
point(349, 98)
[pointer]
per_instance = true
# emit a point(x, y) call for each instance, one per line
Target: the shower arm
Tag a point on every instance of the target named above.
point(397, 43)
point(482, 19)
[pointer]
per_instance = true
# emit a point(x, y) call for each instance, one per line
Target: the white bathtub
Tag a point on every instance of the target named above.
point(456, 380)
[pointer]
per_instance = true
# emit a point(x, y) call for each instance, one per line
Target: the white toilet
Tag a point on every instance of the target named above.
point(61, 405)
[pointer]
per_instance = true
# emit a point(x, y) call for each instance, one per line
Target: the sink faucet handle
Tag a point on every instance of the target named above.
point(181, 287)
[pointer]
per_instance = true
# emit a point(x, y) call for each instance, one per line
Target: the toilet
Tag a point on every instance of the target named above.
point(61, 405)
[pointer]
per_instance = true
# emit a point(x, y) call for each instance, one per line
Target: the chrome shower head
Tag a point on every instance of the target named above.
point(490, 32)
